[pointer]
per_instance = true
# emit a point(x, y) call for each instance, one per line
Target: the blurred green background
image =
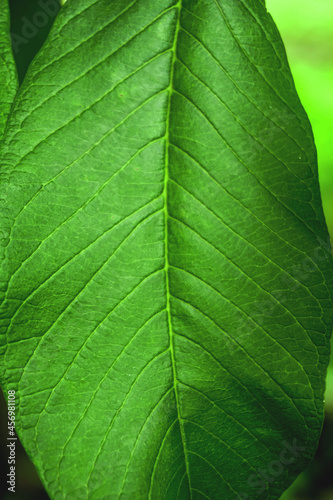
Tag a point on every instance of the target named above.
point(306, 28)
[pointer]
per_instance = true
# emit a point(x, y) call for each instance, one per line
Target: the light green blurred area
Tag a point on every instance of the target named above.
point(306, 28)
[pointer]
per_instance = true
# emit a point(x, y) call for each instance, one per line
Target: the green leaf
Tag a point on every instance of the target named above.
point(8, 76)
point(166, 279)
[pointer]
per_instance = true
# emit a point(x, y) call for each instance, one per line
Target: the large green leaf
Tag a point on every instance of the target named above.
point(166, 307)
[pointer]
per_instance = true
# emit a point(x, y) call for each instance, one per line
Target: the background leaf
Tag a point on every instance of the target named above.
point(30, 24)
point(8, 78)
point(194, 352)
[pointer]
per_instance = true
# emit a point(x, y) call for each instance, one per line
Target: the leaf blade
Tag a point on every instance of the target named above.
point(164, 331)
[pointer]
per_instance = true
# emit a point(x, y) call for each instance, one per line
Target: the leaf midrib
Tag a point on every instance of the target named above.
point(178, 6)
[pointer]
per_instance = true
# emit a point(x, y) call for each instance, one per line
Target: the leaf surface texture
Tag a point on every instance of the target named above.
point(166, 278)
